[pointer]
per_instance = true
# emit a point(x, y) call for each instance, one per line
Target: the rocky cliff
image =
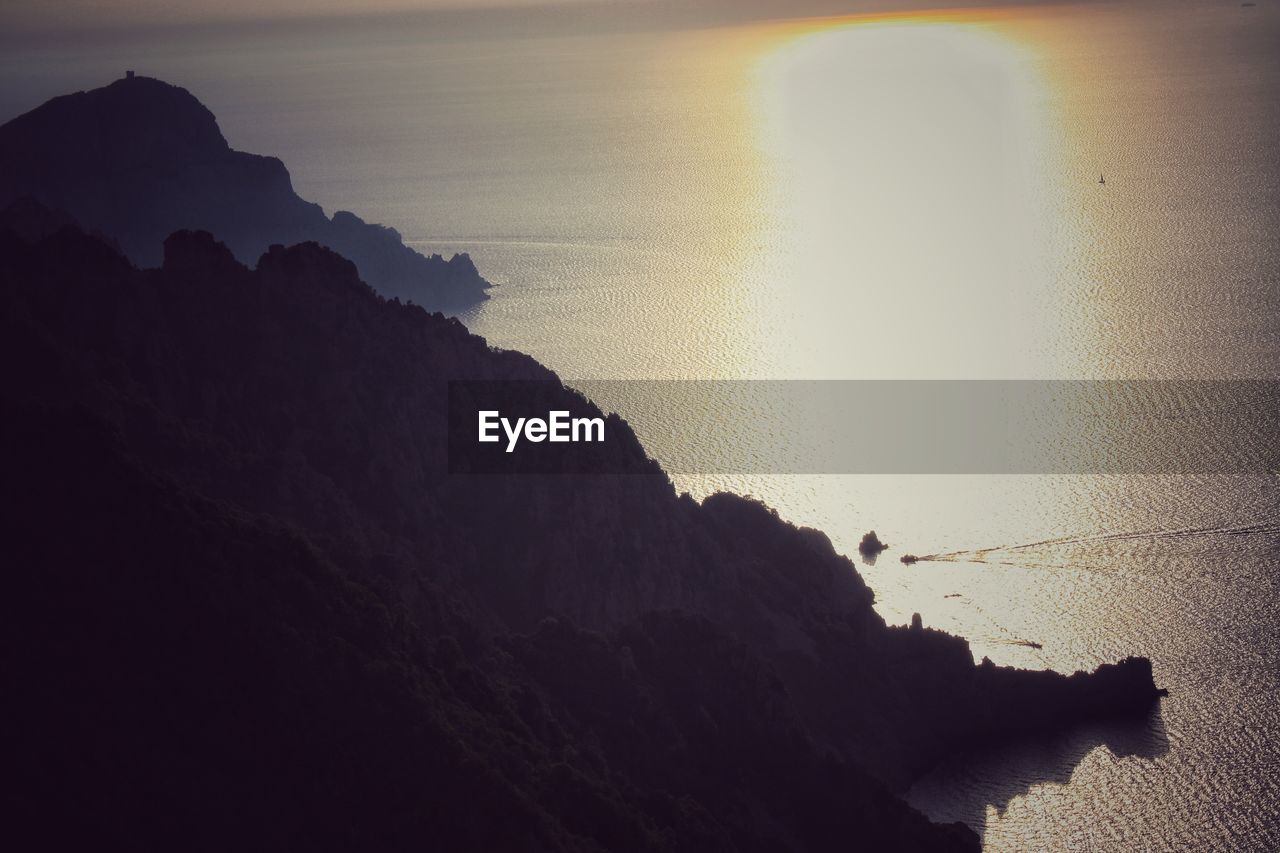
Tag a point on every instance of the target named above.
point(247, 601)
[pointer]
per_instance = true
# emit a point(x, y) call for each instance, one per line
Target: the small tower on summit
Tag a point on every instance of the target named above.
point(128, 75)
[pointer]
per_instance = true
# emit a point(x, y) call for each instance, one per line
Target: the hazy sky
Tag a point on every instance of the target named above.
point(58, 14)
point(26, 15)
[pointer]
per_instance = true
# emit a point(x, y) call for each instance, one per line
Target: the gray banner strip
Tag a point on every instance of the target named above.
point(950, 427)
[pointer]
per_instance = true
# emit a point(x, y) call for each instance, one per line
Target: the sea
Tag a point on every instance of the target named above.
point(1024, 192)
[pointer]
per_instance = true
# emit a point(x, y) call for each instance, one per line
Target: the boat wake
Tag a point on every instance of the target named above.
point(1011, 554)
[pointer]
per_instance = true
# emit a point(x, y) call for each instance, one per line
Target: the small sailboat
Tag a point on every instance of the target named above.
point(1101, 179)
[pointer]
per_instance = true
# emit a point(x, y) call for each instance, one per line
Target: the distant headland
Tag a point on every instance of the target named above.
point(139, 159)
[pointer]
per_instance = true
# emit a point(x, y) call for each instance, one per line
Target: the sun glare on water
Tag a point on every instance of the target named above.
point(910, 158)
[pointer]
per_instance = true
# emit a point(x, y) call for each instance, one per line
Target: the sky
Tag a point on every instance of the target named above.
point(64, 15)
point(57, 14)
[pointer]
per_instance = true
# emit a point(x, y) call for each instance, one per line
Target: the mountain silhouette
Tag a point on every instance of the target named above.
point(248, 606)
point(140, 158)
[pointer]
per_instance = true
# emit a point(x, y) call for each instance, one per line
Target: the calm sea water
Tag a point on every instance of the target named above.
point(885, 198)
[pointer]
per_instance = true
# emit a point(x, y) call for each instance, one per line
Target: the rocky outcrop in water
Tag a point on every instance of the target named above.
point(870, 545)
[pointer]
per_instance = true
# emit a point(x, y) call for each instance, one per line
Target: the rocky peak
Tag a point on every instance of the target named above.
point(196, 250)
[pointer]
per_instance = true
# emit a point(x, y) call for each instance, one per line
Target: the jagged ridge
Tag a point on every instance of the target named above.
point(741, 691)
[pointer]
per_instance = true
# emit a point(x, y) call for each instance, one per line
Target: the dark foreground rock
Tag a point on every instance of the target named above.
point(246, 607)
point(139, 159)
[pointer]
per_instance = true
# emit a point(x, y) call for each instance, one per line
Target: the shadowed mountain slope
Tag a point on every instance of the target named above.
point(246, 595)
